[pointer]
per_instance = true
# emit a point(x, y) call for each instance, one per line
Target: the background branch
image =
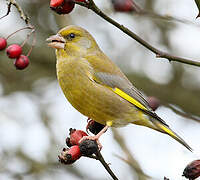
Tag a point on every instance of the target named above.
point(159, 54)
point(19, 9)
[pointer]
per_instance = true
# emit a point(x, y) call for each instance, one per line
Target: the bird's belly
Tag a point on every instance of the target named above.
point(97, 102)
point(94, 100)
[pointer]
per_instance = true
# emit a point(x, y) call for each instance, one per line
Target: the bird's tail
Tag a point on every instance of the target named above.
point(165, 129)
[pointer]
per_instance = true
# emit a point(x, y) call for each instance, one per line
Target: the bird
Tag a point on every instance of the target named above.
point(97, 88)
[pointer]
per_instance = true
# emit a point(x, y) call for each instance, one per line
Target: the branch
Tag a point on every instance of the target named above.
point(87, 148)
point(8, 11)
point(106, 166)
point(159, 54)
point(19, 9)
point(182, 113)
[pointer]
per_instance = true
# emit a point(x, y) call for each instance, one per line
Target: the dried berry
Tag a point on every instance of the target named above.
point(94, 127)
point(88, 147)
point(21, 62)
point(76, 136)
point(64, 8)
point(68, 142)
point(3, 43)
point(192, 170)
point(14, 51)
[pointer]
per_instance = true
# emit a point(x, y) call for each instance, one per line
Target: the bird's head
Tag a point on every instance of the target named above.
point(73, 41)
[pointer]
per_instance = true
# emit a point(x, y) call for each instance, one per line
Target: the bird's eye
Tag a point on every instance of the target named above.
point(72, 35)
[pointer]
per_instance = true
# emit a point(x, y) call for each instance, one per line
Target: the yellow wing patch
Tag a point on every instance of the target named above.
point(167, 130)
point(109, 123)
point(129, 98)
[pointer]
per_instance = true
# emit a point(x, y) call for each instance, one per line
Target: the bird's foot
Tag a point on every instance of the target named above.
point(96, 137)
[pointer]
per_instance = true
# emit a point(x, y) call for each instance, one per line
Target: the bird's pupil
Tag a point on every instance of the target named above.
point(72, 35)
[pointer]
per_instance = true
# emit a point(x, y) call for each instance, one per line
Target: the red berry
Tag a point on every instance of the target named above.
point(75, 152)
point(14, 51)
point(3, 43)
point(21, 62)
point(64, 8)
point(55, 3)
point(81, 1)
point(70, 155)
point(154, 102)
point(123, 5)
point(76, 135)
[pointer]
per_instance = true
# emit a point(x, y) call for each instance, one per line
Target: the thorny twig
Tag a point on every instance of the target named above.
point(98, 156)
point(106, 166)
point(159, 54)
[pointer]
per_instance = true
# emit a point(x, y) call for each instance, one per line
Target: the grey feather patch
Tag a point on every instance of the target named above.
point(123, 84)
point(115, 81)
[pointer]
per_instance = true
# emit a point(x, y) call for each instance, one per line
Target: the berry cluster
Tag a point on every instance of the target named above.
point(14, 51)
point(66, 6)
point(63, 6)
point(76, 149)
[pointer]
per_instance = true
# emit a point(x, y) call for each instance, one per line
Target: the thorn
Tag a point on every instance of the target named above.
point(158, 55)
point(198, 15)
point(169, 60)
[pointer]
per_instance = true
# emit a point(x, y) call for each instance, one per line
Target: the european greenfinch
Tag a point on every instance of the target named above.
point(97, 88)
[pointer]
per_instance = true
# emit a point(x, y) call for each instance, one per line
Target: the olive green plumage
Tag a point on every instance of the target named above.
point(97, 88)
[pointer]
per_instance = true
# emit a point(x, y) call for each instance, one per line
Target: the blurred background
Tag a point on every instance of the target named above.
point(35, 116)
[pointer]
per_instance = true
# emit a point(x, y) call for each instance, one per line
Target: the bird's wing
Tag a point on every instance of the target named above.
point(127, 91)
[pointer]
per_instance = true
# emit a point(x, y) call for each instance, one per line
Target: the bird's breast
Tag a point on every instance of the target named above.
point(75, 79)
point(90, 98)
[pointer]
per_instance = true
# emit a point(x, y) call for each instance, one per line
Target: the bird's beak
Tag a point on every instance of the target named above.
point(56, 41)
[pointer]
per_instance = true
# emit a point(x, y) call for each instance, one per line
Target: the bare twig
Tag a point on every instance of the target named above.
point(19, 9)
point(98, 156)
point(92, 157)
point(159, 54)
point(28, 27)
point(166, 17)
point(33, 43)
point(181, 113)
point(8, 11)
point(141, 12)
